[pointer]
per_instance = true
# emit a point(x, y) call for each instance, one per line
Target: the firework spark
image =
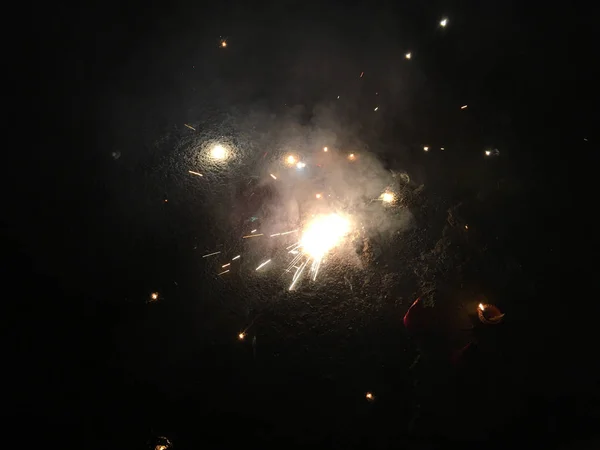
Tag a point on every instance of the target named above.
point(210, 254)
point(195, 173)
point(320, 236)
point(263, 264)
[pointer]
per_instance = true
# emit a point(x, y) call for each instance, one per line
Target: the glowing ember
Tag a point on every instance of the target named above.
point(408, 55)
point(218, 152)
point(387, 197)
point(426, 148)
point(351, 157)
point(481, 307)
point(291, 160)
point(323, 234)
point(223, 43)
point(241, 336)
point(369, 396)
point(154, 296)
point(488, 152)
point(443, 23)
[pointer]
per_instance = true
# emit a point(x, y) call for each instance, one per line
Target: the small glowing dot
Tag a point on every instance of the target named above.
point(223, 43)
point(466, 227)
point(408, 55)
point(301, 165)
point(318, 195)
point(166, 201)
point(426, 148)
point(351, 157)
point(241, 336)
point(338, 97)
point(441, 148)
point(376, 108)
point(481, 307)
point(488, 152)
point(325, 149)
point(443, 22)
point(369, 396)
point(154, 296)
point(290, 159)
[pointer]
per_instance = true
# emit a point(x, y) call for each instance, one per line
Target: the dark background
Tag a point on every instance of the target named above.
point(97, 237)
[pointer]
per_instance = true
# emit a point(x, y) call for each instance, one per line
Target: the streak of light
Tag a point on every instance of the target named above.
point(293, 245)
point(248, 236)
point(441, 148)
point(195, 173)
point(211, 254)
point(297, 275)
point(190, 127)
point(376, 108)
point(361, 74)
point(443, 22)
point(481, 307)
point(276, 234)
point(263, 264)
point(273, 176)
point(426, 148)
point(408, 55)
point(225, 265)
point(325, 149)
point(288, 232)
point(236, 257)
point(225, 271)
point(315, 268)
point(464, 107)
point(293, 263)
point(253, 231)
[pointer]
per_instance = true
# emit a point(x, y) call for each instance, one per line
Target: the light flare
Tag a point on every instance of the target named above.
point(388, 197)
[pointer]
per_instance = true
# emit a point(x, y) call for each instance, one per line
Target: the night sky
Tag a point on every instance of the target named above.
point(132, 97)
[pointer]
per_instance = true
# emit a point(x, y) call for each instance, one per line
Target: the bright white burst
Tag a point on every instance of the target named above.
point(320, 236)
point(218, 152)
point(388, 197)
